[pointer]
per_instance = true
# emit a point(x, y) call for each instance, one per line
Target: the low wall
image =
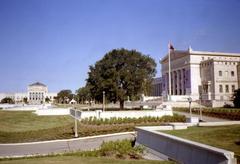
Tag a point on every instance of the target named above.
point(182, 150)
point(183, 104)
point(7, 105)
point(120, 114)
point(222, 123)
point(22, 108)
point(52, 112)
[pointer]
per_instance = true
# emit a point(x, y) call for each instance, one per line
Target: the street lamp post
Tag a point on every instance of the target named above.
point(190, 109)
point(76, 133)
point(103, 100)
point(200, 107)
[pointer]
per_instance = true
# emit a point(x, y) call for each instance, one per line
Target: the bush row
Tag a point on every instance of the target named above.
point(112, 121)
point(225, 113)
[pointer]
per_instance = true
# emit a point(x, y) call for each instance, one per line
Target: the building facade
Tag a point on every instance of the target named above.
point(36, 94)
point(157, 87)
point(209, 76)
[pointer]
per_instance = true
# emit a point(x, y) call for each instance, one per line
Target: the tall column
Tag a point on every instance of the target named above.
point(182, 82)
point(178, 81)
point(173, 82)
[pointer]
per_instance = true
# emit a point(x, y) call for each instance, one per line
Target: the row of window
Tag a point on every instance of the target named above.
point(220, 73)
point(220, 58)
point(35, 98)
point(226, 88)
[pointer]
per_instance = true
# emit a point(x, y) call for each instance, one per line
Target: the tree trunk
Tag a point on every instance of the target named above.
point(121, 104)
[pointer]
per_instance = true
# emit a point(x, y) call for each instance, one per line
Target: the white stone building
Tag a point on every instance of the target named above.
point(210, 76)
point(156, 87)
point(36, 94)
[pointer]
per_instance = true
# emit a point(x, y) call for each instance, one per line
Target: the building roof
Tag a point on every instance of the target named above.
point(181, 53)
point(38, 84)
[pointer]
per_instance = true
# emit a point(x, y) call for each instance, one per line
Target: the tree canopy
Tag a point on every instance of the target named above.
point(121, 73)
point(7, 100)
point(64, 96)
point(83, 94)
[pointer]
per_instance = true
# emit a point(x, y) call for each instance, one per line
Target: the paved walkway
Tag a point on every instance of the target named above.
point(204, 118)
point(59, 146)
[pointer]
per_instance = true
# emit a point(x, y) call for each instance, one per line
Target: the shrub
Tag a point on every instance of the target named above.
point(120, 149)
point(225, 113)
point(140, 120)
point(236, 98)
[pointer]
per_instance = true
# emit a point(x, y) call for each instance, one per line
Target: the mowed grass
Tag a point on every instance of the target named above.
point(24, 126)
point(225, 137)
point(21, 121)
point(80, 160)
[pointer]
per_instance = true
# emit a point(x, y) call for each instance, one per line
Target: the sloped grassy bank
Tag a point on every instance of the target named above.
point(27, 127)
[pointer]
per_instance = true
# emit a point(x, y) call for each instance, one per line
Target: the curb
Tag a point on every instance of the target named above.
point(71, 139)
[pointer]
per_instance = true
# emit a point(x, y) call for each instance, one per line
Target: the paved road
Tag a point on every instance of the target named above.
point(204, 118)
point(59, 146)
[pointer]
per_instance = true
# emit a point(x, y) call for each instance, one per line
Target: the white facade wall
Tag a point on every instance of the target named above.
point(36, 94)
point(192, 72)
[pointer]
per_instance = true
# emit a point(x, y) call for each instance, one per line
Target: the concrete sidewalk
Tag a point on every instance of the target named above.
point(60, 146)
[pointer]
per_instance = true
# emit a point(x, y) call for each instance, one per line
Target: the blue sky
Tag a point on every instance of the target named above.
point(55, 41)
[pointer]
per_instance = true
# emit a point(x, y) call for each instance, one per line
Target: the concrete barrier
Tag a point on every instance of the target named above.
point(120, 114)
point(52, 112)
point(222, 123)
point(182, 150)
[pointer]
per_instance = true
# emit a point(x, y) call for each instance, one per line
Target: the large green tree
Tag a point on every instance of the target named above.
point(236, 98)
point(121, 73)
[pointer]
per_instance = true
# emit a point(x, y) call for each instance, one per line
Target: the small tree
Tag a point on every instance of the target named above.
point(7, 100)
point(236, 98)
point(64, 96)
point(47, 100)
point(25, 100)
point(83, 94)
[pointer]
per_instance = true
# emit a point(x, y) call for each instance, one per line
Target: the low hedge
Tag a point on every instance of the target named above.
point(127, 120)
point(225, 113)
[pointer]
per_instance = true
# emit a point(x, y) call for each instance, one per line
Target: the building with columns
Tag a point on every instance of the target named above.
point(209, 76)
point(156, 87)
point(36, 94)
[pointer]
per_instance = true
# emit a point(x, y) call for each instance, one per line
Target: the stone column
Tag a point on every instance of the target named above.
point(178, 81)
point(209, 90)
point(182, 81)
point(173, 83)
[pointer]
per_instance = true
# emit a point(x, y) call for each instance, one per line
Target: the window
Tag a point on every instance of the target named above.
point(220, 73)
point(220, 88)
point(232, 73)
point(233, 88)
point(226, 88)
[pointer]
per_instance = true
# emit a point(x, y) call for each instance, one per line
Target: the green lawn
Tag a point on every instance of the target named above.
point(21, 121)
point(226, 137)
point(81, 160)
point(24, 126)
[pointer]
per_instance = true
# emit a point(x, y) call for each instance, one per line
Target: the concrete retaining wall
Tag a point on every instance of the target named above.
point(120, 114)
point(52, 112)
point(182, 150)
